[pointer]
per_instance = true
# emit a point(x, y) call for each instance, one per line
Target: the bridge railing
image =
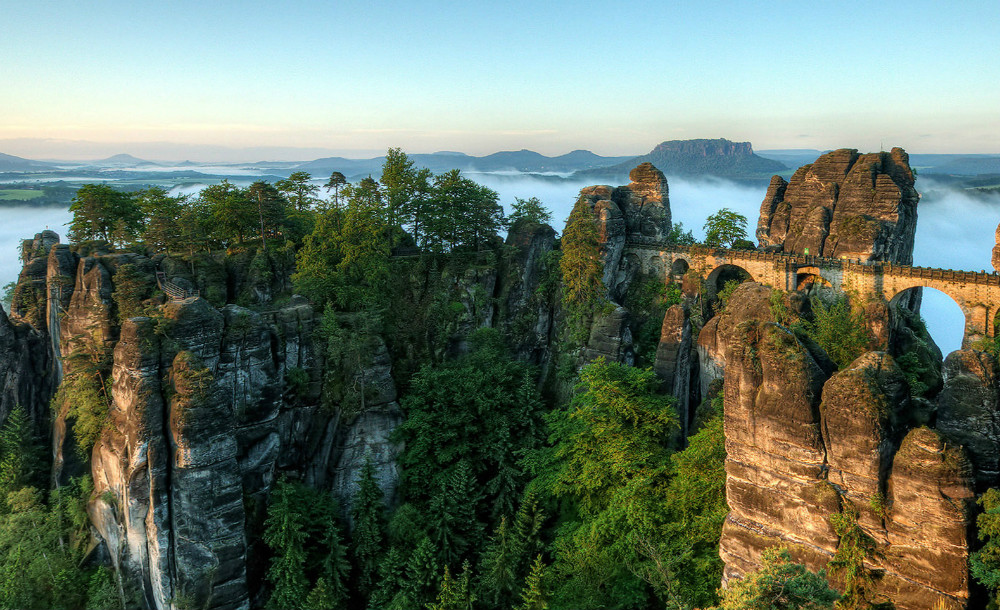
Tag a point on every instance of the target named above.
point(856, 265)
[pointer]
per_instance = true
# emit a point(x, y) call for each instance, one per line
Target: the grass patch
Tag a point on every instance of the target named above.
point(19, 194)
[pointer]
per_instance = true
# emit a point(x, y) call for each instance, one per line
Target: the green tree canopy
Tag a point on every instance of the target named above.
point(101, 212)
point(299, 190)
point(779, 584)
point(724, 228)
point(530, 211)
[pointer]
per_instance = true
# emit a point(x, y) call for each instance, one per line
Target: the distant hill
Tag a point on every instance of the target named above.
point(122, 160)
point(526, 161)
point(719, 157)
point(10, 163)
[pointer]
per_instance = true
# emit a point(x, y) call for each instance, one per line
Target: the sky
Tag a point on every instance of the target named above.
point(297, 79)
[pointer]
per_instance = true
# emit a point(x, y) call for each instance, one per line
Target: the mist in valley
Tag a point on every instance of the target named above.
point(954, 230)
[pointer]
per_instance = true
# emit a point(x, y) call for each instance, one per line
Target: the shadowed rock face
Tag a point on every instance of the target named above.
point(845, 204)
point(801, 443)
point(969, 411)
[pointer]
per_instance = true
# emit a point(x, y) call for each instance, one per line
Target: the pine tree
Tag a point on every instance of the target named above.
point(369, 528)
point(391, 579)
point(284, 534)
point(335, 568)
point(453, 526)
point(454, 595)
point(17, 454)
point(499, 567)
point(321, 597)
point(528, 532)
point(422, 573)
point(534, 596)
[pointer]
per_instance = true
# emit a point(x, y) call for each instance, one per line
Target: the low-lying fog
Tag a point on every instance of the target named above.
point(954, 230)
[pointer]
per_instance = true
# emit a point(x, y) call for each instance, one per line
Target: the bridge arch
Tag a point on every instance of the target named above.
point(717, 280)
point(949, 321)
point(679, 267)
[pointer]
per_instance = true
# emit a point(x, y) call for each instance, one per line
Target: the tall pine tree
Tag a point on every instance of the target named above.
point(284, 534)
point(368, 536)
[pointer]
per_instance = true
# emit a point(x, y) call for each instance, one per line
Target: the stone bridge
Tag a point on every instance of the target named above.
point(976, 293)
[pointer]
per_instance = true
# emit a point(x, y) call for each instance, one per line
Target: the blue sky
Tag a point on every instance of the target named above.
point(612, 77)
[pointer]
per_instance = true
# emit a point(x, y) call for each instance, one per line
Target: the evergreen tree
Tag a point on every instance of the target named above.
point(161, 218)
point(454, 595)
point(499, 577)
point(452, 523)
point(391, 579)
point(422, 574)
point(397, 180)
point(233, 214)
point(284, 534)
point(101, 212)
point(270, 207)
point(368, 535)
point(534, 596)
point(779, 584)
point(528, 211)
point(321, 597)
point(18, 454)
point(528, 531)
point(299, 190)
point(336, 182)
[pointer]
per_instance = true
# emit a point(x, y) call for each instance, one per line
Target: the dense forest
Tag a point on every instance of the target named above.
point(518, 490)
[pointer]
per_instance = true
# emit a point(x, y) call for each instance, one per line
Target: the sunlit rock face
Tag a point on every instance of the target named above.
point(639, 210)
point(803, 442)
point(844, 205)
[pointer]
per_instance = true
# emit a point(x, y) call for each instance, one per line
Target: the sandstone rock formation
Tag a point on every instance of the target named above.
point(640, 210)
point(969, 411)
point(844, 205)
point(996, 251)
point(802, 443)
point(673, 361)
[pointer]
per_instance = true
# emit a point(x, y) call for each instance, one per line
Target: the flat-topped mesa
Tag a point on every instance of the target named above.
point(844, 205)
point(639, 210)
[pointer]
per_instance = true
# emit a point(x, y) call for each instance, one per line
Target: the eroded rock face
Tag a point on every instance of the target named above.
point(775, 483)
point(844, 205)
point(673, 361)
point(863, 410)
point(640, 210)
point(802, 443)
point(996, 251)
point(969, 411)
point(930, 499)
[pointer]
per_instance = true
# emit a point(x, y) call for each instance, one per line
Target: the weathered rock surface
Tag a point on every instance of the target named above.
point(969, 411)
point(640, 210)
point(930, 500)
point(844, 205)
point(610, 337)
point(862, 412)
point(527, 313)
point(996, 251)
point(775, 475)
point(794, 460)
point(673, 361)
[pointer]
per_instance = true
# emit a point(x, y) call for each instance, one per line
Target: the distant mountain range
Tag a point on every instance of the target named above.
point(687, 158)
point(10, 163)
point(525, 161)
